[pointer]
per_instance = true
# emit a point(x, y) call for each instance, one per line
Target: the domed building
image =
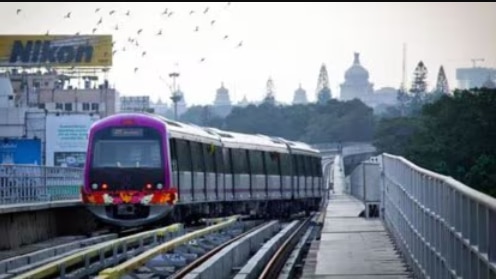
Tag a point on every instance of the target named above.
point(356, 84)
point(300, 97)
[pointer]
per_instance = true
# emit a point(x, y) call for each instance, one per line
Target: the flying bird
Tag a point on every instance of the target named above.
point(77, 33)
point(212, 22)
point(206, 10)
point(139, 31)
point(159, 32)
point(191, 12)
point(170, 14)
point(165, 12)
point(197, 29)
point(117, 27)
point(18, 11)
point(68, 15)
point(240, 44)
point(97, 10)
point(94, 30)
point(203, 59)
point(113, 52)
point(100, 21)
point(143, 54)
point(112, 12)
point(135, 69)
point(226, 36)
point(128, 13)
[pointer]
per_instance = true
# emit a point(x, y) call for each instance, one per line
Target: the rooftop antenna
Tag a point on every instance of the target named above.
point(475, 60)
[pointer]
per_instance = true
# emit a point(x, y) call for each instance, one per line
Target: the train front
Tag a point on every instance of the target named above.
point(127, 179)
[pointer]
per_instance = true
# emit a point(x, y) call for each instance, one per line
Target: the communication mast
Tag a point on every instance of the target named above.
point(403, 74)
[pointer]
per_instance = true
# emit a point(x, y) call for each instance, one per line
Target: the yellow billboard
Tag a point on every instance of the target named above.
point(56, 50)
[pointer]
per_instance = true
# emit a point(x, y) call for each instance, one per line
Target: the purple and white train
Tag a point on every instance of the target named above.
point(141, 168)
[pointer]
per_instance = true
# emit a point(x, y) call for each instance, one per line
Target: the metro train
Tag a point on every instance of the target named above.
point(142, 168)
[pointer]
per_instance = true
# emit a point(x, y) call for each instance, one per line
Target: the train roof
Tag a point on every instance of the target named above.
point(216, 136)
point(248, 141)
point(299, 147)
point(188, 132)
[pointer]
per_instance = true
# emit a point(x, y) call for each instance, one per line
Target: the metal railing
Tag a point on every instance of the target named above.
point(445, 228)
point(28, 184)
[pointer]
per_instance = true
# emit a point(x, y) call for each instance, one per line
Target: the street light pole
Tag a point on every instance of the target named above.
point(176, 97)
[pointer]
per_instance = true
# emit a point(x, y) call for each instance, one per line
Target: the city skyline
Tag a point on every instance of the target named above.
point(277, 42)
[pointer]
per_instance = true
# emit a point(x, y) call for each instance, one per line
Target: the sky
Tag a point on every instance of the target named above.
point(285, 41)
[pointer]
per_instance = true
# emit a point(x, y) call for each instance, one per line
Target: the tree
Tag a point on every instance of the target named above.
point(270, 95)
point(442, 82)
point(324, 95)
point(323, 90)
point(419, 88)
point(419, 83)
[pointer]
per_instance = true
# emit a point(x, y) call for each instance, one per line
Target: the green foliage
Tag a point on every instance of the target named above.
point(454, 135)
point(330, 122)
point(324, 95)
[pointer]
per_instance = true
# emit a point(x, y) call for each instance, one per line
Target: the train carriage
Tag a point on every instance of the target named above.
point(141, 167)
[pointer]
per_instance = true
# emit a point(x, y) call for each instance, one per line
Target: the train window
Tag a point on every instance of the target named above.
point(318, 162)
point(309, 166)
point(240, 161)
point(197, 154)
point(301, 165)
point(209, 156)
point(184, 160)
point(286, 164)
point(173, 154)
point(219, 164)
point(272, 162)
point(256, 162)
point(296, 169)
point(227, 160)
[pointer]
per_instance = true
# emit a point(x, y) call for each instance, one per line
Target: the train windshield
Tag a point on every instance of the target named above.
point(127, 148)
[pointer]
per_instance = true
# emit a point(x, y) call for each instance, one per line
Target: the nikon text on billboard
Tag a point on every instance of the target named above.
point(56, 51)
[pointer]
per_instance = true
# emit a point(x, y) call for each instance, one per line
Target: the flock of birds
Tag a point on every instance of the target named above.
point(133, 41)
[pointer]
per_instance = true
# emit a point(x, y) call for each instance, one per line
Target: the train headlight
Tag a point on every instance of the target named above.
point(94, 186)
point(160, 186)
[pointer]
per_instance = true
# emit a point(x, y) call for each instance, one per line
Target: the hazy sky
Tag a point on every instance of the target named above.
point(287, 41)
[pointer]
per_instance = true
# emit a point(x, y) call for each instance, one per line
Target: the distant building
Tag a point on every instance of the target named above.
point(473, 77)
point(222, 103)
point(36, 105)
point(135, 104)
point(53, 91)
point(244, 102)
point(356, 84)
point(300, 97)
point(160, 108)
